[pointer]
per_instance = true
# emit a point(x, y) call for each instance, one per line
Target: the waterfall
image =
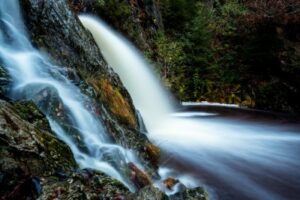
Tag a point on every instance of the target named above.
point(251, 159)
point(36, 79)
point(149, 97)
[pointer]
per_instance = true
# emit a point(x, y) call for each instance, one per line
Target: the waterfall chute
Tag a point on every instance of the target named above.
point(148, 95)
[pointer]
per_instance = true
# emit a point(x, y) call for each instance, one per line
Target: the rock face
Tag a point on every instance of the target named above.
point(35, 164)
point(27, 151)
point(56, 30)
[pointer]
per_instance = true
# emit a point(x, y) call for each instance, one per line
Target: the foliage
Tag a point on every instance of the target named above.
point(176, 13)
point(170, 53)
point(273, 11)
point(115, 12)
point(237, 51)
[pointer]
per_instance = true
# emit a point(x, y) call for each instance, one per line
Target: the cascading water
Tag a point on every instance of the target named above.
point(148, 95)
point(36, 79)
point(249, 160)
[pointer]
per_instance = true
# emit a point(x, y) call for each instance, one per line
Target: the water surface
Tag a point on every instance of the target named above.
point(234, 153)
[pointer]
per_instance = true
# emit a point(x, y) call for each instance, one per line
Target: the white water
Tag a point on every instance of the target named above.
point(34, 75)
point(234, 152)
point(148, 95)
point(241, 155)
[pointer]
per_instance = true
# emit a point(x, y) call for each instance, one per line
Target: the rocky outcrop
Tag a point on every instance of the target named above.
point(29, 112)
point(34, 164)
point(56, 30)
point(28, 152)
point(83, 185)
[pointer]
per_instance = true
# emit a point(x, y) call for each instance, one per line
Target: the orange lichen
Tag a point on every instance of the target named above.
point(154, 153)
point(115, 101)
point(170, 182)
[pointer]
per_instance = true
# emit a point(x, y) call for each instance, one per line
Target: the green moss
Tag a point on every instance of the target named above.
point(28, 111)
point(112, 182)
point(57, 150)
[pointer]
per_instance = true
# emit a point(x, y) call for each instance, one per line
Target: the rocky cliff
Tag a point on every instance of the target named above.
point(34, 164)
point(56, 30)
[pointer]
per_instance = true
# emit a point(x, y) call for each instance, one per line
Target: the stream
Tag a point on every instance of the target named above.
point(234, 153)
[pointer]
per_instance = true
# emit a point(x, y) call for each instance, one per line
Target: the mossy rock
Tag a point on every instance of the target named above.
point(83, 185)
point(190, 194)
point(28, 151)
point(111, 96)
point(29, 112)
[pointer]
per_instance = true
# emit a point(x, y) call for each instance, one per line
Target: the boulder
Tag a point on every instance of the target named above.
point(27, 151)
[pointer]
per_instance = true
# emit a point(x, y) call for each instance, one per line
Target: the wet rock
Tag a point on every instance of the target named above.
point(48, 100)
point(151, 193)
point(190, 194)
point(27, 151)
point(153, 152)
point(5, 81)
point(170, 183)
point(138, 177)
point(113, 99)
point(142, 125)
point(29, 112)
point(34, 164)
point(84, 184)
point(56, 30)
